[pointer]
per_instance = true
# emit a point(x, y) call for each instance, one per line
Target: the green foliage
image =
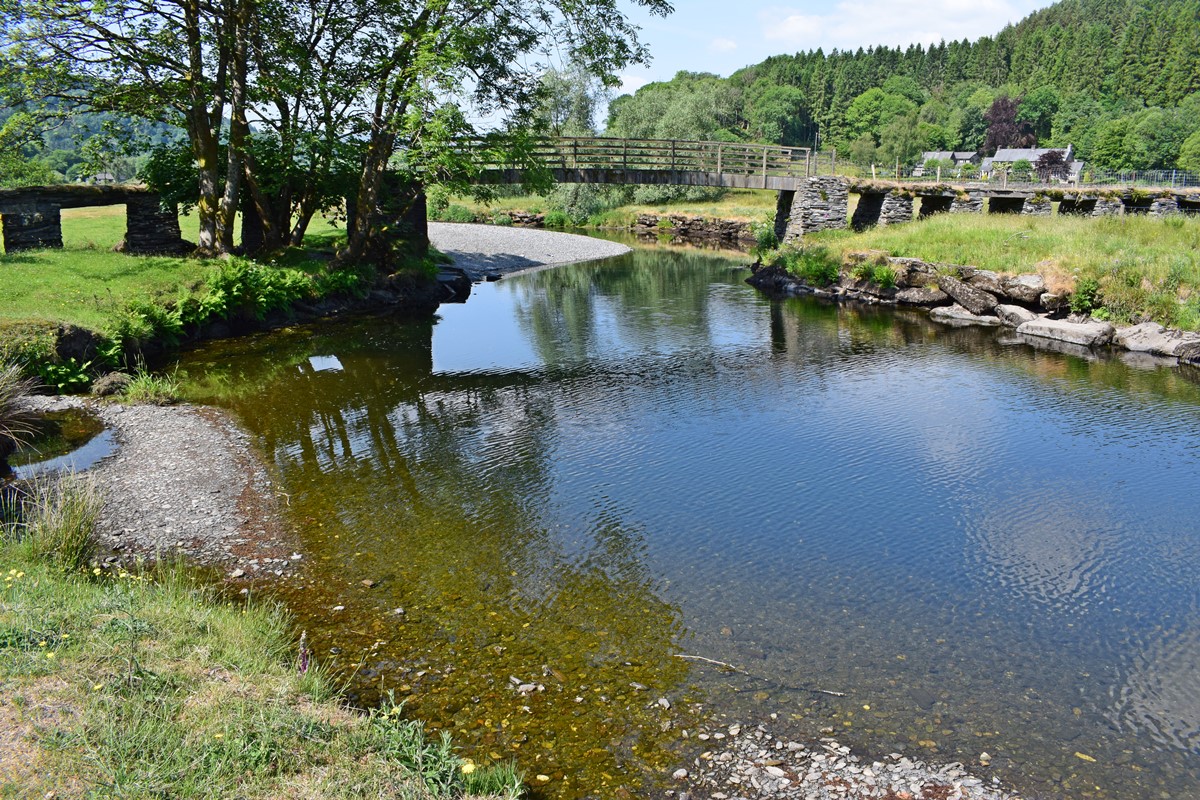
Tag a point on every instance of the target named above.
point(65, 377)
point(814, 265)
point(452, 213)
point(503, 220)
point(1086, 296)
point(556, 219)
point(148, 388)
point(765, 239)
point(884, 276)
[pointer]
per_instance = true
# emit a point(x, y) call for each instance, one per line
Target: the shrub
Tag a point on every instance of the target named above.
point(503, 220)
point(556, 219)
point(452, 213)
point(765, 239)
point(65, 377)
point(883, 275)
point(1086, 296)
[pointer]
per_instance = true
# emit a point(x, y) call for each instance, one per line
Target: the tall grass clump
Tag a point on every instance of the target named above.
point(56, 521)
point(816, 266)
point(16, 423)
point(151, 389)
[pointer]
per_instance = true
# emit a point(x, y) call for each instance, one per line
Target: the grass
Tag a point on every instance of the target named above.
point(152, 389)
point(1144, 268)
point(131, 684)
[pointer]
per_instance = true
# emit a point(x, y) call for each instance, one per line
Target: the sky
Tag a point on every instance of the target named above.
point(723, 36)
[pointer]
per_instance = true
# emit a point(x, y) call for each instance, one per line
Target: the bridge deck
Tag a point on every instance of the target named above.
point(662, 162)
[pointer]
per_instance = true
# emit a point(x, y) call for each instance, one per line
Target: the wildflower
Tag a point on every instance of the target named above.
point(95, 570)
point(218, 736)
point(97, 687)
point(42, 643)
point(467, 767)
point(50, 654)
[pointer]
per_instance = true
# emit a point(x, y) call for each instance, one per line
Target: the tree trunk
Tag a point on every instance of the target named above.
point(238, 127)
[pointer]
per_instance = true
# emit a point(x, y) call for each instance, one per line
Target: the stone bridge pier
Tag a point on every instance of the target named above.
point(31, 218)
point(820, 204)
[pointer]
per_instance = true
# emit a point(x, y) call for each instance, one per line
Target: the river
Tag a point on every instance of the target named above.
point(528, 509)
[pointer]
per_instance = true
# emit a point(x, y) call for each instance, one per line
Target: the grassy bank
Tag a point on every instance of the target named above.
point(1136, 268)
point(121, 684)
point(134, 301)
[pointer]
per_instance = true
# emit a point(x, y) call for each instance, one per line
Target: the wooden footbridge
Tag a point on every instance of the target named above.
point(732, 165)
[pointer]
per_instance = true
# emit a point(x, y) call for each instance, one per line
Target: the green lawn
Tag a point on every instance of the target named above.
point(86, 282)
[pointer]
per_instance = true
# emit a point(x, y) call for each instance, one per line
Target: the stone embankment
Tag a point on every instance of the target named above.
point(702, 230)
point(744, 763)
point(961, 296)
point(682, 228)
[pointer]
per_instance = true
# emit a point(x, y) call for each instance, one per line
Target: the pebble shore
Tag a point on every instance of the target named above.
point(750, 763)
point(483, 249)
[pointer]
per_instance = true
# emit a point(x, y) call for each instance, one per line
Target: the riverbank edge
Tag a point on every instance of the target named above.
point(233, 674)
point(963, 296)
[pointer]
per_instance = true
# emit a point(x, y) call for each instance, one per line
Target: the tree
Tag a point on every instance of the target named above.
point(1004, 129)
point(373, 85)
point(1189, 154)
point(1052, 166)
point(178, 61)
point(1038, 109)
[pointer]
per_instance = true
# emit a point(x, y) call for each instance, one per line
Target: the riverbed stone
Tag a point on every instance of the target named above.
point(985, 279)
point(1027, 288)
point(1150, 337)
point(111, 384)
point(1087, 334)
point(1014, 316)
point(957, 316)
point(973, 299)
point(922, 296)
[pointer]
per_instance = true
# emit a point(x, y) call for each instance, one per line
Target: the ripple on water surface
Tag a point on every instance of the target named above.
point(585, 471)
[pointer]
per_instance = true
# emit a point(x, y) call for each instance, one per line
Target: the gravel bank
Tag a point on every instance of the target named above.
point(483, 249)
point(750, 763)
point(184, 480)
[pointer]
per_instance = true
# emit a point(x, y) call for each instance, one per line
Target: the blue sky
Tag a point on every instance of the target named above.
point(722, 36)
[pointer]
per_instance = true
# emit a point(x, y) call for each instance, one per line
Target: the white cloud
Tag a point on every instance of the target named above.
point(851, 24)
point(722, 45)
point(631, 83)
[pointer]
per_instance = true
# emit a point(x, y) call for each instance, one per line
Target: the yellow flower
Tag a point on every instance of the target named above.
point(50, 654)
point(218, 736)
point(42, 643)
point(97, 687)
point(96, 571)
point(467, 768)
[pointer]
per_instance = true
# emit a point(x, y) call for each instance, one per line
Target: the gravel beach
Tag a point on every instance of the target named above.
point(483, 249)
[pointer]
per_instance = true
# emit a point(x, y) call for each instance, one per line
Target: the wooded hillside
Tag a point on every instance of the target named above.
point(1118, 79)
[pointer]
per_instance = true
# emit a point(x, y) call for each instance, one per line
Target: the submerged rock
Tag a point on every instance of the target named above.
point(958, 316)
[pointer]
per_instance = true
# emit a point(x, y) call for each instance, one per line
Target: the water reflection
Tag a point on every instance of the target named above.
point(584, 471)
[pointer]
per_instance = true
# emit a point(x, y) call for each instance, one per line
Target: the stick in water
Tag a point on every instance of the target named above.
point(750, 674)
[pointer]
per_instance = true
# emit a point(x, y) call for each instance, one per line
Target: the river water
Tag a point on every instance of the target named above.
point(584, 473)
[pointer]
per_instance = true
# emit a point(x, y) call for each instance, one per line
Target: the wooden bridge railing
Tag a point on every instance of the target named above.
point(717, 158)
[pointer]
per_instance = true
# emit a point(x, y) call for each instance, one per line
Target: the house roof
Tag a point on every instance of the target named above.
point(1007, 155)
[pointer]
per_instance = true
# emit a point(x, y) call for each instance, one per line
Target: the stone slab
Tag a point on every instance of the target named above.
point(1086, 334)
